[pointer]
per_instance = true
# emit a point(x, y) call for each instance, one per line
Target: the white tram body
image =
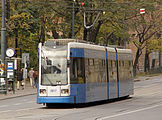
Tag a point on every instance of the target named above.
point(76, 72)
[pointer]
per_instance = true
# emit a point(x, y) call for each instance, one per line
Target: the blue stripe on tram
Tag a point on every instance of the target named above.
point(107, 74)
point(77, 52)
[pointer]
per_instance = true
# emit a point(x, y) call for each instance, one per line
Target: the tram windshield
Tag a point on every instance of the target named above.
point(53, 66)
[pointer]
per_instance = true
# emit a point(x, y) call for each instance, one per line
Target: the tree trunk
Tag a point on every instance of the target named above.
point(147, 62)
point(135, 67)
point(107, 38)
point(94, 32)
point(42, 34)
point(8, 9)
point(153, 63)
point(85, 34)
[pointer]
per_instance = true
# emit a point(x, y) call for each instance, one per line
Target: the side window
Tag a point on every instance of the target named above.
point(130, 63)
point(88, 62)
point(73, 70)
point(103, 62)
point(122, 63)
point(111, 63)
point(77, 71)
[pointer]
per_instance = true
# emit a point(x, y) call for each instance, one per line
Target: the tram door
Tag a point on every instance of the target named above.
point(113, 89)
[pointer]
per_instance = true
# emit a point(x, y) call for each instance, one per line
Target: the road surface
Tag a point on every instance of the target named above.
point(145, 104)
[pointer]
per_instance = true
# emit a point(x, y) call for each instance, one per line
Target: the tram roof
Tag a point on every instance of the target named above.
point(62, 42)
point(124, 50)
point(83, 44)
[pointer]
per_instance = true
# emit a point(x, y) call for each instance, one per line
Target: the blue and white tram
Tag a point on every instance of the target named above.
point(74, 72)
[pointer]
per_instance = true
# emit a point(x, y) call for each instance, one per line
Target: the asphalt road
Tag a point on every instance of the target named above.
point(145, 104)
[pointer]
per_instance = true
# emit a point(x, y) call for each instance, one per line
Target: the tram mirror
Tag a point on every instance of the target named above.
point(68, 63)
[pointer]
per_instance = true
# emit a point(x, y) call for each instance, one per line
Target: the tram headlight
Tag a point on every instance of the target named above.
point(65, 91)
point(42, 91)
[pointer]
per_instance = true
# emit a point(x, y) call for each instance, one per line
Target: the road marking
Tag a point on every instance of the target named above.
point(125, 113)
point(5, 111)
point(17, 110)
point(25, 100)
point(31, 102)
point(4, 106)
point(17, 104)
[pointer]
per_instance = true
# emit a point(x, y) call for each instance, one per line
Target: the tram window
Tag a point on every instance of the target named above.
point(49, 62)
point(126, 64)
point(93, 62)
point(88, 62)
point(77, 70)
point(111, 63)
point(122, 63)
point(73, 72)
point(96, 62)
point(103, 62)
point(115, 63)
point(130, 63)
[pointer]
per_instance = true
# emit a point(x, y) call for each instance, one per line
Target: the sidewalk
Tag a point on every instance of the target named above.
point(28, 90)
point(147, 77)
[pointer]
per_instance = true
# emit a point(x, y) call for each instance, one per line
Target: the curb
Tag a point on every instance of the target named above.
point(17, 96)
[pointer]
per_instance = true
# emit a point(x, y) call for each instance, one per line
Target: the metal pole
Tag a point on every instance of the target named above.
point(25, 72)
point(3, 47)
point(73, 21)
point(3, 34)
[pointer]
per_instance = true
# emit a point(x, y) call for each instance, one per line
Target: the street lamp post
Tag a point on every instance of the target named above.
point(3, 50)
point(3, 34)
point(73, 20)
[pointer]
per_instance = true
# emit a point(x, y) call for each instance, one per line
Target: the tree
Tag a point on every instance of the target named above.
point(145, 26)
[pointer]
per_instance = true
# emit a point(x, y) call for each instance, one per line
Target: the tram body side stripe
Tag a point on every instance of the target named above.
point(107, 72)
point(117, 72)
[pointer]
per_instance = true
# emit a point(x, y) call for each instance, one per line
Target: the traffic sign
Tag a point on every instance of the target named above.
point(25, 57)
point(10, 52)
point(142, 11)
point(10, 65)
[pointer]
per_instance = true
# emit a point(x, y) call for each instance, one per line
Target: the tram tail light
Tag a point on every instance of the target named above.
point(64, 91)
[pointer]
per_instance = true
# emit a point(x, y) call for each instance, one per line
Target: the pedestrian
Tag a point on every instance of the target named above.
point(31, 77)
point(35, 78)
point(19, 79)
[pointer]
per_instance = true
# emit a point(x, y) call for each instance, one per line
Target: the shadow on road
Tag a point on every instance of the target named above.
point(83, 105)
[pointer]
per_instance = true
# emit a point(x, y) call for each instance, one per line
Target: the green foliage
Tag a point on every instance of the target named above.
point(33, 18)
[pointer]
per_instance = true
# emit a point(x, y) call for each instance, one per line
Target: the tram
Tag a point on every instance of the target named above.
point(74, 72)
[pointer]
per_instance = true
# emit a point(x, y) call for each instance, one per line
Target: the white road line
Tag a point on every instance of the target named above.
point(18, 103)
point(31, 102)
point(4, 106)
point(17, 110)
point(5, 111)
point(125, 113)
point(25, 100)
